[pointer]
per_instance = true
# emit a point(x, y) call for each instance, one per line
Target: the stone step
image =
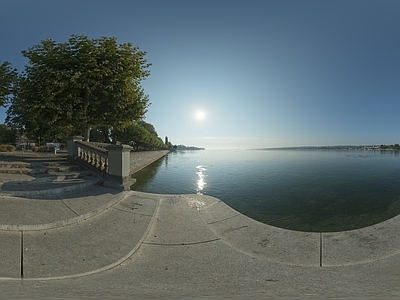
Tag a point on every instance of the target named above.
point(33, 164)
point(39, 177)
point(15, 165)
point(15, 171)
point(36, 171)
point(37, 167)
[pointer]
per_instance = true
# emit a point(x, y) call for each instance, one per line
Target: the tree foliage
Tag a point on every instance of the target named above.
point(80, 84)
point(7, 135)
point(8, 77)
point(141, 135)
point(390, 147)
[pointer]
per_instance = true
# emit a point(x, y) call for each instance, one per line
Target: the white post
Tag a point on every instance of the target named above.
point(72, 149)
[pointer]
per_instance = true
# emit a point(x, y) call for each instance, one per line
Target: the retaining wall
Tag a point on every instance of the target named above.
point(141, 159)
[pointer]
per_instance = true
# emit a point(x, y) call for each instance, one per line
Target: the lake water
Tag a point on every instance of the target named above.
point(308, 190)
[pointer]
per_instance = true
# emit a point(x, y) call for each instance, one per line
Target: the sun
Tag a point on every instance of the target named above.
point(200, 115)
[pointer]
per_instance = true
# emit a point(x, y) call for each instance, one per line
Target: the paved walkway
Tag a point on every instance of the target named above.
point(97, 242)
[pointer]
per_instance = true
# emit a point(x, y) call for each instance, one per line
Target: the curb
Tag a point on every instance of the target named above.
point(52, 191)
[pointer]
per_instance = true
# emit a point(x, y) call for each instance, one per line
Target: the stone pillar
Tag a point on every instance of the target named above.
point(119, 165)
point(72, 149)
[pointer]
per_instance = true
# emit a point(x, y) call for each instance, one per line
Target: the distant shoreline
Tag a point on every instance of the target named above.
point(369, 148)
point(183, 147)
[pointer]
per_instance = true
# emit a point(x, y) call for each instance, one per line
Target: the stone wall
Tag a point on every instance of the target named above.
point(141, 159)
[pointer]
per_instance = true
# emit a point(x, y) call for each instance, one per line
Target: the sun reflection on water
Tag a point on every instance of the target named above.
point(201, 181)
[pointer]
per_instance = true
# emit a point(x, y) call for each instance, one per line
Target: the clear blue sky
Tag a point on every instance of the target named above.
point(264, 73)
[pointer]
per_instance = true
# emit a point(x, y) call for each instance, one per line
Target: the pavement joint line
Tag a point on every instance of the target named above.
point(181, 244)
point(320, 249)
point(22, 255)
point(67, 206)
point(213, 222)
point(100, 270)
point(130, 212)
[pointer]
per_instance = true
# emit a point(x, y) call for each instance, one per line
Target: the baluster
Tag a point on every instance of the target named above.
point(90, 157)
point(104, 164)
point(85, 155)
point(95, 158)
point(96, 161)
point(100, 162)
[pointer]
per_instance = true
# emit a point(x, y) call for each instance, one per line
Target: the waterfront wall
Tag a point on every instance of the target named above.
point(141, 159)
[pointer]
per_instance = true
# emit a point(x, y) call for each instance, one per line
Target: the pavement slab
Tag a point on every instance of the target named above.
point(138, 202)
point(89, 199)
point(270, 243)
point(24, 212)
point(258, 239)
point(55, 210)
point(185, 227)
point(10, 254)
point(362, 245)
point(88, 246)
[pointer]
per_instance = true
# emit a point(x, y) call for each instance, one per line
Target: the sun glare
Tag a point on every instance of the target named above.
point(200, 115)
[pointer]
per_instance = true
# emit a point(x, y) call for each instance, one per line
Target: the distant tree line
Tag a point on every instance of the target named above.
point(183, 147)
point(390, 147)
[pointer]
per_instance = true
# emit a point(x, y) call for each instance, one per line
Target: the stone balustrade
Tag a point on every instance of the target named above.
point(109, 161)
point(93, 155)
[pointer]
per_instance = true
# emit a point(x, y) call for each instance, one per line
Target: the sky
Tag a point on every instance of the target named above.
point(242, 74)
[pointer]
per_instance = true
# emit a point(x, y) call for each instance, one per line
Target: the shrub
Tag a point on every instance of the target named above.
point(7, 148)
point(10, 148)
point(43, 148)
point(35, 148)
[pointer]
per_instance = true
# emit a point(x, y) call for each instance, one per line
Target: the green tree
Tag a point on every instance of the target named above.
point(3, 133)
point(138, 135)
point(100, 134)
point(149, 127)
point(80, 84)
point(7, 135)
point(8, 78)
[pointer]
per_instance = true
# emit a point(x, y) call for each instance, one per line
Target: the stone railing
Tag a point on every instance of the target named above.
point(100, 145)
point(111, 162)
point(93, 155)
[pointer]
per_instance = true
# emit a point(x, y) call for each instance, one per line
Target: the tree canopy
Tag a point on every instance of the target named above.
point(141, 135)
point(8, 78)
point(80, 84)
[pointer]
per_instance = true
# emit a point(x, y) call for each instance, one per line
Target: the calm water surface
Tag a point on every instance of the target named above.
point(310, 190)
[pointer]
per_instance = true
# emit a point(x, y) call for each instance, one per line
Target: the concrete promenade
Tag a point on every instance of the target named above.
point(97, 242)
